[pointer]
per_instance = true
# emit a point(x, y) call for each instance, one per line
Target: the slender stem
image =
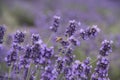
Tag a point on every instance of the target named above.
point(60, 77)
point(93, 61)
point(28, 73)
point(38, 74)
point(49, 39)
point(10, 69)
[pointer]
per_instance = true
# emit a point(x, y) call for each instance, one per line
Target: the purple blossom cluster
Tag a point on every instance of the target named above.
point(2, 33)
point(89, 32)
point(38, 61)
point(102, 66)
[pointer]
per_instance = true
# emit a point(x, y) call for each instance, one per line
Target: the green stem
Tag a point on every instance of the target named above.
point(93, 61)
point(29, 71)
point(38, 74)
point(10, 69)
point(60, 76)
point(49, 39)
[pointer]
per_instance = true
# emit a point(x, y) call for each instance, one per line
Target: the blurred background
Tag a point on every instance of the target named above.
point(36, 16)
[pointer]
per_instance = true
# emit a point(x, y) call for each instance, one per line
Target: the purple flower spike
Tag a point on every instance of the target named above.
point(56, 24)
point(71, 28)
point(19, 37)
point(2, 33)
point(106, 48)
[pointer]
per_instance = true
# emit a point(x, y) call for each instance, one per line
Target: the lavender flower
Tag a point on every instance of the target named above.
point(36, 50)
point(57, 64)
point(71, 28)
point(102, 66)
point(106, 48)
point(2, 33)
point(56, 24)
point(101, 70)
point(68, 73)
point(19, 37)
point(90, 32)
point(82, 70)
point(83, 34)
point(74, 41)
point(60, 64)
point(49, 74)
point(28, 52)
point(12, 57)
point(24, 63)
point(35, 38)
point(17, 46)
point(65, 43)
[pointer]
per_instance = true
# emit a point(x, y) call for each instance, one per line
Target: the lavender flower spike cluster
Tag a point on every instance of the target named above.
point(37, 61)
point(102, 66)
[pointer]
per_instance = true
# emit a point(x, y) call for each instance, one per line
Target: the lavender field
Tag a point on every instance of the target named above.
point(59, 40)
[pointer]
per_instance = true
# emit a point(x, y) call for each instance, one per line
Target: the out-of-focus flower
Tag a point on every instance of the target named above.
point(2, 33)
point(56, 24)
point(90, 32)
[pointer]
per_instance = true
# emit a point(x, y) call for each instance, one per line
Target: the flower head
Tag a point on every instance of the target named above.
point(2, 33)
point(56, 24)
point(19, 37)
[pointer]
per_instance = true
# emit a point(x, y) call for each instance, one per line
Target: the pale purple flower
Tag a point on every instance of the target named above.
point(56, 24)
point(2, 33)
